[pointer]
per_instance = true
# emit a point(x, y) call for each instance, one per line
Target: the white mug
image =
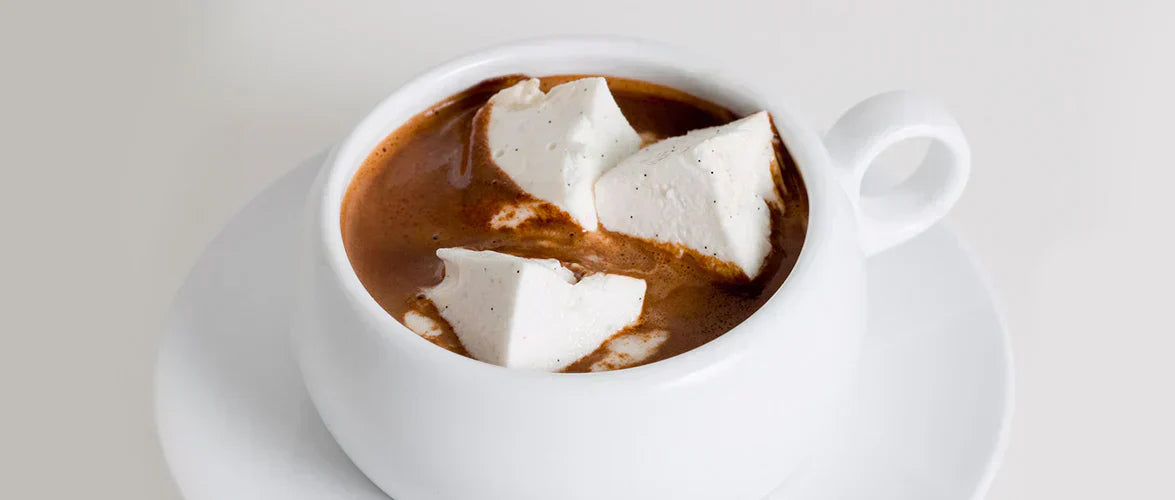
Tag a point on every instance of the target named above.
point(728, 420)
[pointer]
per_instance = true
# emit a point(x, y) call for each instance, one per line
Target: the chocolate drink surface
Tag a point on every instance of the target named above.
point(432, 184)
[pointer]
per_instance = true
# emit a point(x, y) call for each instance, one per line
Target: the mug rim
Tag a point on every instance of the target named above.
point(804, 146)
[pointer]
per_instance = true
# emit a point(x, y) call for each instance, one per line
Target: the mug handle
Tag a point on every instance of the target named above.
point(901, 212)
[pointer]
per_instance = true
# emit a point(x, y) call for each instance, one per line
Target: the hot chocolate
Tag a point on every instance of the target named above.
point(434, 184)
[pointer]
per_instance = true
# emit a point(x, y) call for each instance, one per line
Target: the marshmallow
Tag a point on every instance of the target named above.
point(707, 190)
point(512, 215)
point(629, 349)
point(531, 313)
point(423, 325)
point(556, 145)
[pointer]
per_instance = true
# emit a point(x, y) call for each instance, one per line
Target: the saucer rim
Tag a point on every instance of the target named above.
point(999, 309)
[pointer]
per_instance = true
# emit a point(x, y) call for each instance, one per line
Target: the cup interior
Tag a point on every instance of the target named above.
point(566, 55)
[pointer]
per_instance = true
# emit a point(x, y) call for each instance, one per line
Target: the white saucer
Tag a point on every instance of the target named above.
point(928, 421)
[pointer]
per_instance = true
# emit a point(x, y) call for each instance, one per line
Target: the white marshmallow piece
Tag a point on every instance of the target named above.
point(531, 313)
point(423, 325)
point(556, 145)
point(629, 349)
point(707, 190)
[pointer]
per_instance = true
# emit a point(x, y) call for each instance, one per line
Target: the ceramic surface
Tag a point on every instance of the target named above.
point(926, 419)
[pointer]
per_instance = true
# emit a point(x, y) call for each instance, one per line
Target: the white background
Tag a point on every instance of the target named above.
point(131, 132)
